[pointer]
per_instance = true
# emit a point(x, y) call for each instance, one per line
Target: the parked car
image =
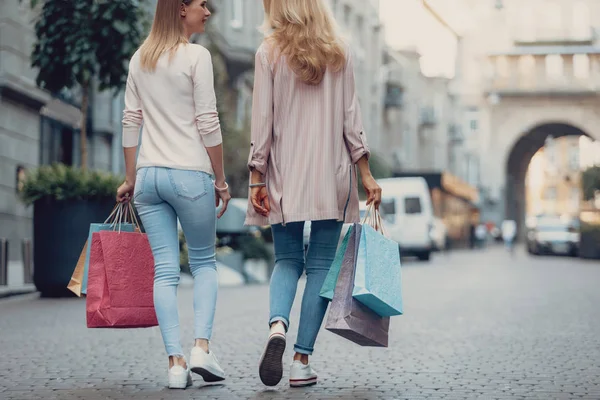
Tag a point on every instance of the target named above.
point(408, 210)
point(553, 235)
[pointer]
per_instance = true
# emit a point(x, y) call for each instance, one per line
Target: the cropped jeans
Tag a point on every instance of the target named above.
point(162, 195)
point(290, 263)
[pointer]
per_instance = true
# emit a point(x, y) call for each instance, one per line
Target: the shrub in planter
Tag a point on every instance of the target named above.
point(66, 200)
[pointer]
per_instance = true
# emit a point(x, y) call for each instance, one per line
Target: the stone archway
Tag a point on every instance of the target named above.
point(518, 161)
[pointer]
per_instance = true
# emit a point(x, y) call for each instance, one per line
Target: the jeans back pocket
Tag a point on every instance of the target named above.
point(189, 185)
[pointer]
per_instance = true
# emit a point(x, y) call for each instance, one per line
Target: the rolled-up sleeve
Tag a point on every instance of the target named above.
point(205, 100)
point(354, 135)
point(132, 114)
point(262, 114)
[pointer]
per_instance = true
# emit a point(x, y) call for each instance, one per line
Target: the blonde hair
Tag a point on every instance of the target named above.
point(305, 32)
point(167, 33)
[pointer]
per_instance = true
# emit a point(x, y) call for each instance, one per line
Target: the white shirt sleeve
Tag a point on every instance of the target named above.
point(132, 114)
point(205, 101)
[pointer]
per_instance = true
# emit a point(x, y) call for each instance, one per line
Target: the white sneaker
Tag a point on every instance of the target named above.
point(179, 377)
point(302, 375)
point(270, 369)
point(206, 365)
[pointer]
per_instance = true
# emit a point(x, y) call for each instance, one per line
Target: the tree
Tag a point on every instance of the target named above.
point(84, 42)
point(590, 182)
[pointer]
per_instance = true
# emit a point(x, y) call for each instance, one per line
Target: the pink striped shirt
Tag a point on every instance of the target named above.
point(306, 140)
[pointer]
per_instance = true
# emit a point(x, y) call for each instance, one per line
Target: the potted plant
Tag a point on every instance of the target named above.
point(66, 200)
point(589, 246)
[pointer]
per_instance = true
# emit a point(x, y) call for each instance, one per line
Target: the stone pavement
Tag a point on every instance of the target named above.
point(477, 325)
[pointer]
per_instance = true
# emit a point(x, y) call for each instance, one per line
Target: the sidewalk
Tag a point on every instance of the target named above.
point(478, 325)
point(16, 282)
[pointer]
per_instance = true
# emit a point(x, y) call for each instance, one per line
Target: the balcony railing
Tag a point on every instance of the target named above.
point(539, 74)
point(394, 97)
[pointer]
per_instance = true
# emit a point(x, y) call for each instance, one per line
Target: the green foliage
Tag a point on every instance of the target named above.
point(253, 248)
point(184, 261)
point(85, 39)
point(236, 142)
point(60, 182)
point(590, 182)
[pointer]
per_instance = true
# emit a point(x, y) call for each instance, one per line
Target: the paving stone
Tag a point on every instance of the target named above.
point(477, 325)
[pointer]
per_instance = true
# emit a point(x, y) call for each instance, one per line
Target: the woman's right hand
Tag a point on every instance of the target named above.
point(373, 190)
point(260, 200)
point(222, 196)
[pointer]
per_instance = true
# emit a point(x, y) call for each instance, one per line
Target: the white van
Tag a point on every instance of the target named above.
point(406, 204)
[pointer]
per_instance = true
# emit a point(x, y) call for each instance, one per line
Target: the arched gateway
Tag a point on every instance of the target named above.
point(519, 127)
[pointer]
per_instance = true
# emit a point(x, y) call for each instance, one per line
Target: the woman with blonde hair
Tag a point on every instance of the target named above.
point(170, 89)
point(307, 139)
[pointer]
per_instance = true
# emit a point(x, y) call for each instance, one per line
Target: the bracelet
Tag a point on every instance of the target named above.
point(218, 189)
point(261, 184)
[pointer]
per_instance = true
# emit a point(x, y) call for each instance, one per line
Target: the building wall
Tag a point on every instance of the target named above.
point(416, 134)
point(510, 85)
point(32, 122)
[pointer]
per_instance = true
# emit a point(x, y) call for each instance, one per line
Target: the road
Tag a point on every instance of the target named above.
point(477, 325)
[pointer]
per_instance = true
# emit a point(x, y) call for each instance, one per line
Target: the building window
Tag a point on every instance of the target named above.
point(473, 122)
point(360, 25)
point(57, 143)
point(574, 164)
point(237, 14)
point(334, 4)
point(347, 16)
point(554, 66)
point(581, 66)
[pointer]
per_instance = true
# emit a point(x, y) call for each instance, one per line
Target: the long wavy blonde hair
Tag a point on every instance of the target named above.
point(167, 33)
point(305, 32)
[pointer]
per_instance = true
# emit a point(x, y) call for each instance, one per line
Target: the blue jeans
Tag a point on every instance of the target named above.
point(289, 265)
point(161, 196)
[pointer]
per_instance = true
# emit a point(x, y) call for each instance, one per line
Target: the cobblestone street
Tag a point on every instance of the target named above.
point(477, 325)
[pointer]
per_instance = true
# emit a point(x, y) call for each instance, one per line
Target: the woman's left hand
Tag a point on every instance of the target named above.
point(125, 192)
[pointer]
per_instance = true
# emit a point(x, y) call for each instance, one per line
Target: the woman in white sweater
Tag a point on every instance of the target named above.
point(170, 91)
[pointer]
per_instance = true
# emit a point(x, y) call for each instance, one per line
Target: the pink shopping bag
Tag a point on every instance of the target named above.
point(120, 281)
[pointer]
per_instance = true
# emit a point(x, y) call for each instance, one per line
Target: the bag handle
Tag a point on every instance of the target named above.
point(373, 219)
point(121, 214)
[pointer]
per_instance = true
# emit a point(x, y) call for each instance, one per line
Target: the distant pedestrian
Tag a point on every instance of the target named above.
point(170, 89)
point(509, 233)
point(481, 235)
point(307, 138)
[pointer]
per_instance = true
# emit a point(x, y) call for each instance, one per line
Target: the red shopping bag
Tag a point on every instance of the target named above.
point(120, 281)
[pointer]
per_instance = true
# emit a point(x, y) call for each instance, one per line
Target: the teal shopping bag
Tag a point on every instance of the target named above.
point(378, 277)
point(331, 279)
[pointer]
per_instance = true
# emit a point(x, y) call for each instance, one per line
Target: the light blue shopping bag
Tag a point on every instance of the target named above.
point(115, 221)
point(378, 277)
point(332, 276)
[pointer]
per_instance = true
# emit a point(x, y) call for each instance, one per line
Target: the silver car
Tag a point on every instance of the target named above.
point(557, 236)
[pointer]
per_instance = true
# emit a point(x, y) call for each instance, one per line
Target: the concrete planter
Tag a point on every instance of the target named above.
point(60, 229)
